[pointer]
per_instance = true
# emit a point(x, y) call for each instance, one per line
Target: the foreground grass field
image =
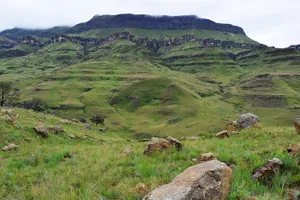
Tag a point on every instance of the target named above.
point(93, 165)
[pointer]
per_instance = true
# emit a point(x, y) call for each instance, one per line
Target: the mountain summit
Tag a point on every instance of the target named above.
point(154, 22)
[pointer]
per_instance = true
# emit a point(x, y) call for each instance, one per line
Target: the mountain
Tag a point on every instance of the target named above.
point(153, 75)
point(154, 22)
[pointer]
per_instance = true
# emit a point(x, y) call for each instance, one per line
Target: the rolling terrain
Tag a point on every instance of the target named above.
point(148, 76)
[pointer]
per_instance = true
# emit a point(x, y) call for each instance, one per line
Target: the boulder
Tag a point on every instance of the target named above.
point(206, 157)
point(268, 170)
point(10, 147)
point(102, 130)
point(222, 134)
point(248, 120)
point(175, 142)
point(294, 150)
point(206, 181)
point(160, 144)
point(297, 125)
point(56, 129)
point(42, 131)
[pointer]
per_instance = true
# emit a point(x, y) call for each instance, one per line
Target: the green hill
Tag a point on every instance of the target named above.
point(155, 82)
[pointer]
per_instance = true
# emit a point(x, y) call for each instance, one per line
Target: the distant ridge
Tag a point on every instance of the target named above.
point(154, 22)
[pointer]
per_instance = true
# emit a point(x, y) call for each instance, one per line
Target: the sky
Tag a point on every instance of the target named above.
point(271, 22)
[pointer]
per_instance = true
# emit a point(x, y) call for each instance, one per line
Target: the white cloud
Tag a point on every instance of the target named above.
point(272, 22)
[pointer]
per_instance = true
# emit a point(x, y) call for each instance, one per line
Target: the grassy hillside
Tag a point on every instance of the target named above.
point(92, 165)
point(178, 89)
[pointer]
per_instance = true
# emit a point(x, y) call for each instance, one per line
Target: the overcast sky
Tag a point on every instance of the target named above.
point(271, 22)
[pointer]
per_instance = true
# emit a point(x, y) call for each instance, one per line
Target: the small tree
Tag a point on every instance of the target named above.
point(97, 119)
point(35, 104)
point(8, 94)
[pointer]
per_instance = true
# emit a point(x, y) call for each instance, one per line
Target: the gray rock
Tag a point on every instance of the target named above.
point(268, 170)
point(42, 131)
point(247, 120)
point(206, 181)
point(10, 147)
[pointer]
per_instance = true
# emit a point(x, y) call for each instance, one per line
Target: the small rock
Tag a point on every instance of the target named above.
point(127, 150)
point(102, 130)
point(56, 129)
point(141, 188)
point(65, 121)
point(88, 126)
point(248, 120)
point(294, 150)
point(297, 125)
point(206, 157)
point(222, 134)
point(42, 131)
point(294, 193)
point(194, 160)
point(75, 121)
point(268, 170)
point(206, 181)
point(193, 138)
point(235, 133)
point(175, 142)
point(71, 136)
point(231, 126)
point(10, 147)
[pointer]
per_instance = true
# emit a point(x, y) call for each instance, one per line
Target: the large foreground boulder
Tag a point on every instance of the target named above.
point(248, 120)
point(297, 125)
point(206, 181)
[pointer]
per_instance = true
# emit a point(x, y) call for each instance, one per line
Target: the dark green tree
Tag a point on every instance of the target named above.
point(8, 94)
point(97, 118)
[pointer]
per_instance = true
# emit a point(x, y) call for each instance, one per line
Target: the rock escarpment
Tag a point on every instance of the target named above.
point(155, 44)
point(154, 22)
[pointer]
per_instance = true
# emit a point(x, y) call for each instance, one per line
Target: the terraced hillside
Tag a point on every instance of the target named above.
point(155, 80)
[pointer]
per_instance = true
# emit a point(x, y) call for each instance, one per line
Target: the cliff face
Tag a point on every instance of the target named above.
point(151, 22)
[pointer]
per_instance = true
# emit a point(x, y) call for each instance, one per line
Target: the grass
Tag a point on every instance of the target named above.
point(98, 168)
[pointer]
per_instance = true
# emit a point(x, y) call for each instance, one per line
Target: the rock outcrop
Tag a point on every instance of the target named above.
point(248, 120)
point(297, 125)
point(154, 44)
point(206, 181)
